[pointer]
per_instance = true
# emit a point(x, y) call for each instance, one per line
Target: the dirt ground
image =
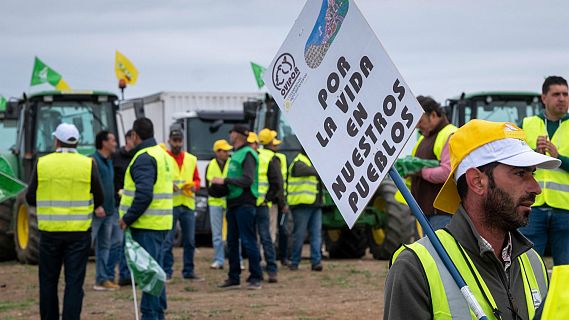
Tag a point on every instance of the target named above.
point(345, 289)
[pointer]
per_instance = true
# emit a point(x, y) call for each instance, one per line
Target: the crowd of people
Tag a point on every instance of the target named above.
point(149, 188)
point(491, 176)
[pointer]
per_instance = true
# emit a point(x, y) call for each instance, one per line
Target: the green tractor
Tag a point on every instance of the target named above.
point(382, 227)
point(26, 127)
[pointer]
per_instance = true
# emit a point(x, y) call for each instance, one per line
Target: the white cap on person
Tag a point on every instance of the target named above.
point(66, 133)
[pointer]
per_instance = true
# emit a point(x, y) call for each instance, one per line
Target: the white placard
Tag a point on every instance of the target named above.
point(345, 99)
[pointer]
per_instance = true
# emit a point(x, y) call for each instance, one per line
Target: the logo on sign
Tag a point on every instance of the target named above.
point(285, 73)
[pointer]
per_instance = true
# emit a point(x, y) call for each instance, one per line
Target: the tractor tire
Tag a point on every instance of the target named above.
point(6, 238)
point(400, 226)
point(26, 234)
point(345, 243)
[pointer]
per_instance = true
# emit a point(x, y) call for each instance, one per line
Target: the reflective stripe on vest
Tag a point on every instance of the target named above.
point(446, 297)
point(301, 190)
point(214, 171)
point(158, 215)
point(183, 176)
point(265, 157)
point(554, 183)
point(64, 199)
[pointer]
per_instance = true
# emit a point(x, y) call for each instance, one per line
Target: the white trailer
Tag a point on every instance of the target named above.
point(162, 107)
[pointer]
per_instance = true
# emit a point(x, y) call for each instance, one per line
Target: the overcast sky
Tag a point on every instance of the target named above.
point(441, 47)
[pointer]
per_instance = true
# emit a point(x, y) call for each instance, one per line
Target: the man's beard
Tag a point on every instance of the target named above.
point(500, 209)
point(176, 150)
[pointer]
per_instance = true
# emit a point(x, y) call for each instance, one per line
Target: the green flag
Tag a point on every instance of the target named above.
point(258, 72)
point(44, 74)
point(146, 271)
point(2, 104)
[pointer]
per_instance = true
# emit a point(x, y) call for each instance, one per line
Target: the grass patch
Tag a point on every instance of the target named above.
point(12, 305)
point(190, 289)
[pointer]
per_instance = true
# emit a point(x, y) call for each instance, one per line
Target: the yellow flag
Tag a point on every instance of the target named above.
point(62, 85)
point(125, 69)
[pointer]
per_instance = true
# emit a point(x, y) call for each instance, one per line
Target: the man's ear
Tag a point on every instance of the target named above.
point(477, 181)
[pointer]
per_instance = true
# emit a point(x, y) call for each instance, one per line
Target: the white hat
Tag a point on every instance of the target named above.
point(67, 133)
point(509, 151)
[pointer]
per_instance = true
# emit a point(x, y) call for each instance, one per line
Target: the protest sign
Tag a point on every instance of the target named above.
point(345, 99)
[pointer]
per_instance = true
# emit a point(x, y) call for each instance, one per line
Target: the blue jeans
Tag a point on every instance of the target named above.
point(283, 235)
point(439, 221)
point(216, 221)
point(549, 225)
point(262, 220)
point(187, 219)
point(152, 241)
point(116, 246)
point(241, 225)
point(306, 218)
point(101, 237)
point(124, 272)
point(73, 255)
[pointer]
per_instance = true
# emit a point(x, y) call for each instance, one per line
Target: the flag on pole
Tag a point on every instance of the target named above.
point(146, 271)
point(124, 69)
point(258, 72)
point(44, 74)
point(2, 104)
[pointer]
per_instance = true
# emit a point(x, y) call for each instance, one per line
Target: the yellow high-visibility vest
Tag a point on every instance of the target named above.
point(64, 199)
point(214, 171)
point(158, 215)
point(181, 177)
point(265, 157)
point(554, 183)
point(282, 159)
point(301, 190)
point(447, 300)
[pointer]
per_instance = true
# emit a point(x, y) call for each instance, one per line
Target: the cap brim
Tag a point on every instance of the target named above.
point(448, 199)
point(225, 148)
point(532, 158)
point(276, 142)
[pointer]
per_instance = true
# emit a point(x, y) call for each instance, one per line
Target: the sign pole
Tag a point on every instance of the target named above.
point(428, 229)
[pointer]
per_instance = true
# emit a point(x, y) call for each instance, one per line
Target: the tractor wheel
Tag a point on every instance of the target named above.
point(345, 243)
point(400, 226)
point(6, 239)
point(26, 233)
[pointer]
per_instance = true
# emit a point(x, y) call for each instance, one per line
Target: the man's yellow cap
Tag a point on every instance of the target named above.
point(221, 144)
point(466, 139)
point(266, 136)
point(252, 137)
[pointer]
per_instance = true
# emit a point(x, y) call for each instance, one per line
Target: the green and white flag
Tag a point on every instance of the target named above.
point(2, 104)
point(147, 273)
point(258, 72)
point(44, 74)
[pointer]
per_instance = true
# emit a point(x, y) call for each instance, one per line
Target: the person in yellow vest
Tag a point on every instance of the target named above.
point(242, 184)
point(270, 192)
point(65, 188)
point(432, 145)
point(304, 196)
point(548, 133)
point(186, 184)
point(490, 189)
point(217, 168)
point(146, 203)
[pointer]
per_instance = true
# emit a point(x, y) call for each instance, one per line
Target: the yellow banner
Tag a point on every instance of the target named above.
point(124, 69)
point(62, 85)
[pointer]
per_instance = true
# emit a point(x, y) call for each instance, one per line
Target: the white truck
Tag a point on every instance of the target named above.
point(203, 117)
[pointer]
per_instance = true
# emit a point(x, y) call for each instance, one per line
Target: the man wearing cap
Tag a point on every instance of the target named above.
point(217, 168)
point(432, 145)
point(242, 182)
point(491, 189)
point(146, 203)
point(270, 190)
point(548, 133)
point(65, 188)
point(186, 183)
point(268, 138)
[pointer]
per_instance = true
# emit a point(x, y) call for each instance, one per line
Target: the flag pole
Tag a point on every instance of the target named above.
point(133, 293)
point(428, 230)
point(122, 86)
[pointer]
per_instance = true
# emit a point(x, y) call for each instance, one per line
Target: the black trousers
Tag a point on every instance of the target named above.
point(73, 254)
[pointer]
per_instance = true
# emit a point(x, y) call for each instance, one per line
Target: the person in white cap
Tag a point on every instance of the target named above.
point(66, 189)
point(491, 189)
